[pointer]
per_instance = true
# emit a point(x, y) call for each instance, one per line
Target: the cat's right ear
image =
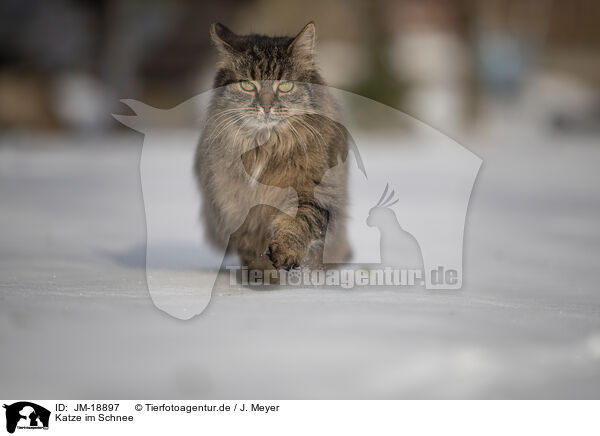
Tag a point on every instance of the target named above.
point(222, 37)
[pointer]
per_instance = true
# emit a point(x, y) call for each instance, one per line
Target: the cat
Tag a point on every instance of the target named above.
point(267, 123)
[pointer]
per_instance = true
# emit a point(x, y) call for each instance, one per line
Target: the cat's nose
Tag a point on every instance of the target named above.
point(266, 100)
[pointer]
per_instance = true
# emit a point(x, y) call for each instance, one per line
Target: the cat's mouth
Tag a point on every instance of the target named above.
point(268, 120)
point(271, 122)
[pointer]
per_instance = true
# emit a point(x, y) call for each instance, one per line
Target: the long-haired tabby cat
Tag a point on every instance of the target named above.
point(265, 113)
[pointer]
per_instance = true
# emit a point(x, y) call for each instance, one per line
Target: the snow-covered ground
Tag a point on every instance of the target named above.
point(76, 320)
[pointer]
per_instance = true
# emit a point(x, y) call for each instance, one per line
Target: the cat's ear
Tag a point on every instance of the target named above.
point(304, 42)
point(222, 37)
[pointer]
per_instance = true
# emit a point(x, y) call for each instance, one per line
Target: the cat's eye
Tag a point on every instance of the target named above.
point(247, 85)
point(285, 86)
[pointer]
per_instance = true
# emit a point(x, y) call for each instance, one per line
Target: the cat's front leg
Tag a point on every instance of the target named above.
point(292, 236)
point(286, 250)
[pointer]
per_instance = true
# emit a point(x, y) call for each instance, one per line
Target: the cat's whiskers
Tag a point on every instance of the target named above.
point(302, 143)
point(320, 134)
point(333, 124)
point(316, 134)
point(248, 119)
point(222, 112)
point(216, 119)
point(259, 165)
point(297, 135)
point(229, 122)
point(226, 114)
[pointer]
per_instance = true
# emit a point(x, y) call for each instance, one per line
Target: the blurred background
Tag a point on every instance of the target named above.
point(514, 81)
point(454, 64)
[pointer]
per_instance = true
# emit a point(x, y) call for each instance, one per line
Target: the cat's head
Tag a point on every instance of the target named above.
point(267, 79)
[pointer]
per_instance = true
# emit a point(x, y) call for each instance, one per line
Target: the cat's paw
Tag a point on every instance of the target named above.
point(284, 253)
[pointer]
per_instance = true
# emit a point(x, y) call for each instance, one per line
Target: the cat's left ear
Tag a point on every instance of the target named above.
point(222, 37)
point(304, 42)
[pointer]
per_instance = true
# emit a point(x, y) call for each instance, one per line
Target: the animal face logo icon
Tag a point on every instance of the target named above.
point(26, 415)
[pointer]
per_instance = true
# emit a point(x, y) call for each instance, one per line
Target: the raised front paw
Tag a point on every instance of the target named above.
point(284, 253)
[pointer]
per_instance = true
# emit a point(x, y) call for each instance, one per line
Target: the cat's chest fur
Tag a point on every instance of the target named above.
point(262, 174)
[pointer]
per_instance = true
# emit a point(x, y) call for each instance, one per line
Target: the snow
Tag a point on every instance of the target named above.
point(76, 319)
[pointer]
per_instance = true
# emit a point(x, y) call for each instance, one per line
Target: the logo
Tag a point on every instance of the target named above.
point(26, 415)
